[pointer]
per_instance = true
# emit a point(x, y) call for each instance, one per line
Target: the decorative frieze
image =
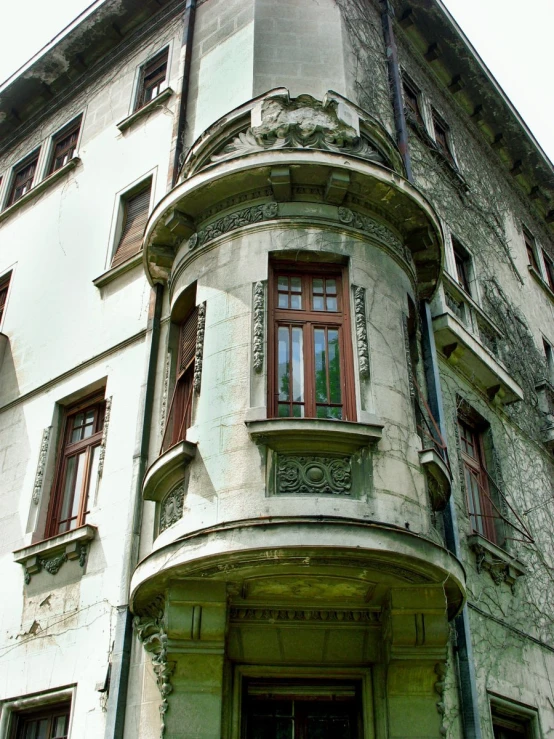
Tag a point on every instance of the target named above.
point(313, 475)
point(39, 475)
point(376, 230)
point(408, 352)
point(102, 452)
point(271, 615)
point(199, 352)
point(243, 217)
point(361, 331)
point(151, 633)
point(172, 507)
point(258, 343)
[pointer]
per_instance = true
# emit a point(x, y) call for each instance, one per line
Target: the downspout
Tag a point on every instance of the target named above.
point(188, 33)
point(395, 82)
point(121, 655)
point(466, 666)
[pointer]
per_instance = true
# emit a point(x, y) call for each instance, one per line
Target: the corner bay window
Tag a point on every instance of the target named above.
point(309, 343)
point(288, 710)
point(48, 723)
point(77, 465)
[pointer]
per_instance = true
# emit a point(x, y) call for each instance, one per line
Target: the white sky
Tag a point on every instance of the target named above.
point(514, 39)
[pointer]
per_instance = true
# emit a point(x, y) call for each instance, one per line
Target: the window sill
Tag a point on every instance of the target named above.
point(539, 279)
point(496, 561)
point(167, 470)
point(467, 298)
point(145, 110)
point(112, 274)
point(40, 187)
point(314, 435)
point(52, 553)
point(439, 478)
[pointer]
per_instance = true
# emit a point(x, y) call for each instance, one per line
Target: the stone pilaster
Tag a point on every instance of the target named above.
point(416, 636)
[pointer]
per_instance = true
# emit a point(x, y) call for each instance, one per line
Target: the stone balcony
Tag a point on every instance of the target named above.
point(468, 340)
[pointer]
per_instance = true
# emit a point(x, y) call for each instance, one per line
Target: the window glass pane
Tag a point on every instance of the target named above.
point(329, 411)
point(42, 732)
point(68, 489)
point(283, 283)
point(332, 304)
point(331, 287)
point(283, 375)
point(60, 727)
point(318, 302)
point(31, 730)
point(317, 286)
point(297, 365)
point(295, 285)
point(334, 366)
point(320, 356)
point(296, 302)
point(283, 300)
point(93, 475)
point(77, 424)
point(81, 461)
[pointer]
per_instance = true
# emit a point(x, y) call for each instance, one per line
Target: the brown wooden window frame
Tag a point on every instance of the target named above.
point(287, 704)
point(512, 722)
point(531, 247)
point(22, 719)
point(441, 132)
point(68, 450)
point(4, 289)
point(23, 177)
point(129, 240)
point(64, 145)
point(179, 416)
point(462, 265)
point(310, 320)
point(411, 94)
point(549, 269)
point(482, 510)
point(152, 76)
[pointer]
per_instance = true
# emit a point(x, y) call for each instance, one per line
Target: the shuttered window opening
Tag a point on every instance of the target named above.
point(152, 79)
point(4, 285)
point(134, 222)
point(65, 145)
point(187, 341)
point(23, 180)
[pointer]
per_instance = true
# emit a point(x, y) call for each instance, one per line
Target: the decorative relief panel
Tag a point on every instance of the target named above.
point(172, 507)
point(375, 229)
point(165, 393)
point(199, 353)
point(258, 343)
point(306, 615)
point(361, 331)
point(313, 475)
point(102, 453)
point(39, 476)
point(53, 563)
point(300, 123)
point(151, 633)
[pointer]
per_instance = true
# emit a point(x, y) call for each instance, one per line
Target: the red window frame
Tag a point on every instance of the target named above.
point(23, 177)
point(46, 718)
point(153, 75)
point(411, 99)
point(309, 321)
point(481, 508)
point(76, 463)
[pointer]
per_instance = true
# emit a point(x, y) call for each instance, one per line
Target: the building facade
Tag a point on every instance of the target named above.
point(279, 463)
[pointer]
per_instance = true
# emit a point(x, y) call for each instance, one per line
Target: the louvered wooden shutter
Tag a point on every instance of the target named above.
point(136, 215)
point(187, 342)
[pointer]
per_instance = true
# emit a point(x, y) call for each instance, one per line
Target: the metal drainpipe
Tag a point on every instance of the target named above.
point(466, 666)
point(188, 32)
point(121, 655)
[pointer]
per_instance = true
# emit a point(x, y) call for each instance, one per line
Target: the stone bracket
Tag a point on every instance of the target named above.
point(51, 554)
point(496, 561)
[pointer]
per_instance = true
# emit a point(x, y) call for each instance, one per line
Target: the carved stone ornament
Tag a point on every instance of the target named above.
point(408, 356)
point(102, 452)
point(243, 217)
point(300, 123)
point(172, 507)
point(500, 565)
point(165, 393)
point(440, 672)
point(259, 307)
point(199, 351)
point(309, 615)
point(361, 331)
point(313, 475)
point(53, 564)
point(151, 633)
point(39, 476)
